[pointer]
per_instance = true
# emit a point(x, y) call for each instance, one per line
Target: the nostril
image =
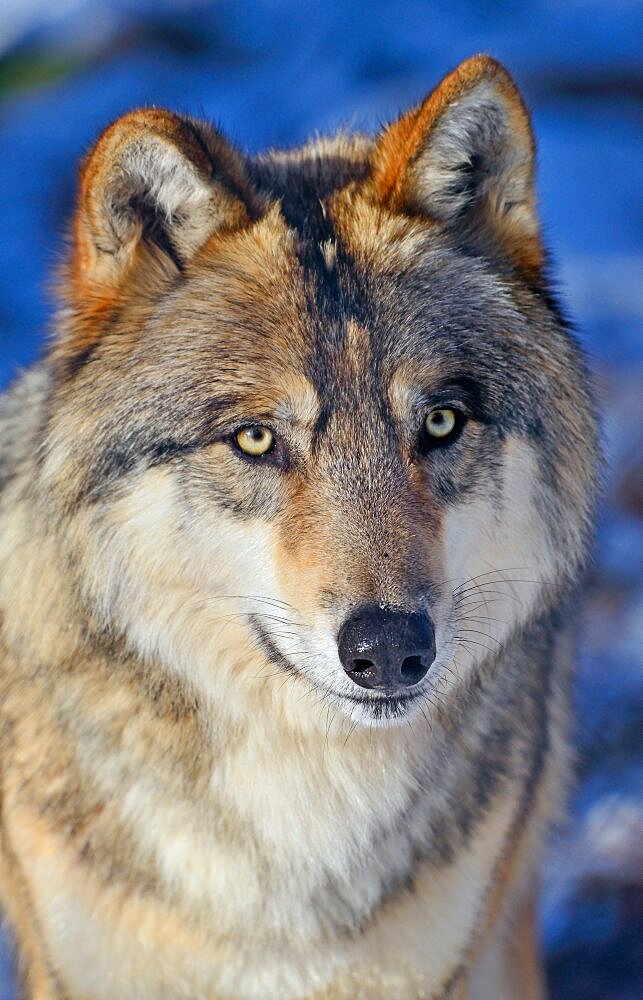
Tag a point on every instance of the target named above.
point(413, 669)
point(386, 648)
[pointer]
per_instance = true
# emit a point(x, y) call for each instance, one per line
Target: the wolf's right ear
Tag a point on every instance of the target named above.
point(158, 181)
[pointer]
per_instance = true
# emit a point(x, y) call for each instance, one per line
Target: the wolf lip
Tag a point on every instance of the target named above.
point(380, 704)
point(269, 647)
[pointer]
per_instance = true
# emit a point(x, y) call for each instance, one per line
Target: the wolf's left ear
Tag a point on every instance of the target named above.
point(465, 157)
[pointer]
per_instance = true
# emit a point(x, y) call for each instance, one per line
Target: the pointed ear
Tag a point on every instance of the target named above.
point(465, 157)
point(155, 182)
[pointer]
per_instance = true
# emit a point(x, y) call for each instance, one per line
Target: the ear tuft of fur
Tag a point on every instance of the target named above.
point(465, 158)
point(158, 179)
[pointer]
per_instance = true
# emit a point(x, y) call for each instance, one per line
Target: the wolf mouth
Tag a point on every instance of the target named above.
point(379, 705)
point(269, 647)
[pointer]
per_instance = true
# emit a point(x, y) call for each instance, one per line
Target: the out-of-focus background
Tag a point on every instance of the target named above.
point(271, 71)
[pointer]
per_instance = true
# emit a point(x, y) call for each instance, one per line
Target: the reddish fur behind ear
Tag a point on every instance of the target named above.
point(155, 187)
point(397, 162)
point(404, 139)
point(92, 234)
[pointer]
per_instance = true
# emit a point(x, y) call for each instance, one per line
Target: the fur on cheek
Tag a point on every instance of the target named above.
point(179, 588)
point(498, 558)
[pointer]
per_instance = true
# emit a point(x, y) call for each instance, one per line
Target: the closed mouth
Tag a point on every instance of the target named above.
point(381, 706)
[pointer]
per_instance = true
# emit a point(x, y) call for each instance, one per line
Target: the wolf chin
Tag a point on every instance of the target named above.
point(293, 512)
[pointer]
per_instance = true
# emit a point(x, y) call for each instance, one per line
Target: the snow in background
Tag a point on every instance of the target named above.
point(269, 73)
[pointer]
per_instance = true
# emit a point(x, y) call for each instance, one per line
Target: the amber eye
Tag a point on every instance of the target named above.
point(440, 423)
point(255, 440)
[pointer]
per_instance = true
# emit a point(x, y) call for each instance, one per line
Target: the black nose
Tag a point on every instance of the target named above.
point(386, 649)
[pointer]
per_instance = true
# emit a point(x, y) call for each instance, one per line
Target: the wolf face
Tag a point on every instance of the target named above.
point(318, 409)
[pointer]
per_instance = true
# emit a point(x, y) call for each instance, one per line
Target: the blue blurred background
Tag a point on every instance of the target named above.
point(269, 73)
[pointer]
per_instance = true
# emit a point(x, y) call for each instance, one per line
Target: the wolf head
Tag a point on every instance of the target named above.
point(319, 408)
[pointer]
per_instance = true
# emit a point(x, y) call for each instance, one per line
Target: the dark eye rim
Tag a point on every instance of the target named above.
point(275, 455)
point(428, 443)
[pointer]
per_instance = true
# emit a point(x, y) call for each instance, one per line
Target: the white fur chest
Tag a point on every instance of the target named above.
point(286, 881)
point(111, 944)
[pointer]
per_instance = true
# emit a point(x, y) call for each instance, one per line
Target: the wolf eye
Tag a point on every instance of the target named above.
point(440, 424)
point(255, 440)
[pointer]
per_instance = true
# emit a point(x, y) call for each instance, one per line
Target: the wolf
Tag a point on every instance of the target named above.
point(294, 510)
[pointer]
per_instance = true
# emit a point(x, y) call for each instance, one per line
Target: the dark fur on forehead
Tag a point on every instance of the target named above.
point(303, 178)
point(303, 182)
